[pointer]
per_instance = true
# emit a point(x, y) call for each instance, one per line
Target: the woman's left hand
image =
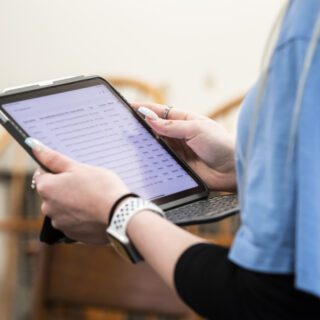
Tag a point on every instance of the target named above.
point(77, 197)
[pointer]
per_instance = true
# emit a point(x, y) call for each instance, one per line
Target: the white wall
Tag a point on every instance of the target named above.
point(202, 51)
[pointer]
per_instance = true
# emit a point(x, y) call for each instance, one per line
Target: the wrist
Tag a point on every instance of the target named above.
point(140, 220)
point(218, 181)
point(226, 173)
point(119, 202)
point(124, 211)
point(227, 158)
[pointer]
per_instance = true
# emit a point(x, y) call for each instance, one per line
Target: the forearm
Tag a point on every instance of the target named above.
point(160, 242)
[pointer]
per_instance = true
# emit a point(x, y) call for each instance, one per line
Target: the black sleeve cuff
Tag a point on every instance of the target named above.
point(204, 279)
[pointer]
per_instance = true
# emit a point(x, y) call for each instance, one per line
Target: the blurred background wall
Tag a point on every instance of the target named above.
point(201, 52)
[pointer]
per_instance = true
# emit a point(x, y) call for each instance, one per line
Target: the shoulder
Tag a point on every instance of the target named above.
point(297, 29)
point(299, 21)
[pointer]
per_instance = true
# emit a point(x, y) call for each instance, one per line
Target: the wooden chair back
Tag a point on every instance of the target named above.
point(227, 113)
point(137, 90)
point(74, 279)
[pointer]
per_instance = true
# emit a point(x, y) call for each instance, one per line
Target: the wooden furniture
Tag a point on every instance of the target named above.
point(4, 140)
point(225, 109)
point(227, 114)
point(15, 192)
point(142, 90)
point(75, 279)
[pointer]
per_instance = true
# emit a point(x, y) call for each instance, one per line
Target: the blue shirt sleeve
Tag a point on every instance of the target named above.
point(280, 211)
point(307, 253)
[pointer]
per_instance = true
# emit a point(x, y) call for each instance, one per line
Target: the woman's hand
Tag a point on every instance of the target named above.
point(77, 197)
point(203, 143)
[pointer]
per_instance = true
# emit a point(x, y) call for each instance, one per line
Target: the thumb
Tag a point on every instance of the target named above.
point(178, 129)
point(54, 161)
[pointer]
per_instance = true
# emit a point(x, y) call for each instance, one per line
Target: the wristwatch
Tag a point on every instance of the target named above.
point(117, 229)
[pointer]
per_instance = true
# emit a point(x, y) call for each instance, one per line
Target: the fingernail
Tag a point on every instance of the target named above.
point(148, 113)
point(34, 144)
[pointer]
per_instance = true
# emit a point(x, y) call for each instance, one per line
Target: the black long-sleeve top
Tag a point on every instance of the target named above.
point(216, 288)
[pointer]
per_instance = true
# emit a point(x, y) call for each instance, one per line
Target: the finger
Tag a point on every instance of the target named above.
point(178, 129)
point(148, 113)
point(44, 184)
point(54, 224)
point(33, 180)
point(53, 160)
point(37, 172)
point(174, 114)
point(45, 208)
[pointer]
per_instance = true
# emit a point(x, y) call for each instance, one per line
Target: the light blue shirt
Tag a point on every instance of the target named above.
point(280, 231)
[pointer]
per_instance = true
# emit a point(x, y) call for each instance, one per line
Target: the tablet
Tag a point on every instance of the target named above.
point(89, 121)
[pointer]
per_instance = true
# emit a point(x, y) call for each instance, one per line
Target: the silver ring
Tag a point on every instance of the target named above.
point(166, 112)
point(33, 181)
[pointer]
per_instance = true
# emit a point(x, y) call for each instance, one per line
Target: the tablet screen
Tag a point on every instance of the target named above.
point(94, 126)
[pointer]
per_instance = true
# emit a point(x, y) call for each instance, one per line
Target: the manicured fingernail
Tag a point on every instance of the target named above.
point(148, 113)
point(34, 144)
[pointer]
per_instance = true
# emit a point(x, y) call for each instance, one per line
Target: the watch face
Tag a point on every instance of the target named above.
point(119, 248)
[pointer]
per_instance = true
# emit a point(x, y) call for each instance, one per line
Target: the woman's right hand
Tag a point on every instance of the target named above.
point(203, 143)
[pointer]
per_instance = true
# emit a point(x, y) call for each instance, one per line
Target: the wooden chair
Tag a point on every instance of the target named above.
point(135, 90)
point(227, 113)
point(4, 140)
point(76, 281)
point(13, 222)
